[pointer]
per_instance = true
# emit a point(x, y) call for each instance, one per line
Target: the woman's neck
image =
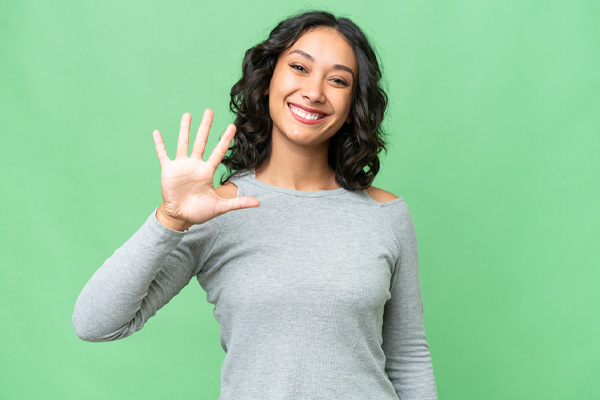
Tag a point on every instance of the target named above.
point(298, 169)
point(297, 179)
point(298, 166)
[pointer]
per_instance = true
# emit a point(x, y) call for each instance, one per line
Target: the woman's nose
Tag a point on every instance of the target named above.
point(313, 90)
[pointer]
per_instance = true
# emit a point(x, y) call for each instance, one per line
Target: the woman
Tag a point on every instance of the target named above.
point(313, 272)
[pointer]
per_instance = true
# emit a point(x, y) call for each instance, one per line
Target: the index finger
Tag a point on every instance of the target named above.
point(219, 151)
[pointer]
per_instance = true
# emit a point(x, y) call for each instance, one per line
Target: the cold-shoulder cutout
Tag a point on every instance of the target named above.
point(380, 195)
point(228, 190)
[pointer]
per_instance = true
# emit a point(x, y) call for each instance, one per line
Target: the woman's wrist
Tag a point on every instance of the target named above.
point(170, 222)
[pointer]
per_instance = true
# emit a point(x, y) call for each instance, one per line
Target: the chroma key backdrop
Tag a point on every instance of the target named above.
point(493, 124)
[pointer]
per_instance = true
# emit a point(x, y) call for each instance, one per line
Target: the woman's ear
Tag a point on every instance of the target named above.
point(349, 119)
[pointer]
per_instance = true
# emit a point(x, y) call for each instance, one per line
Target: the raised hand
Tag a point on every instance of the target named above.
point(189, 196)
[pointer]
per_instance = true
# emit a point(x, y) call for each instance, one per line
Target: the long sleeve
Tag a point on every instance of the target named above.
point(138, 279)
point(408, 360)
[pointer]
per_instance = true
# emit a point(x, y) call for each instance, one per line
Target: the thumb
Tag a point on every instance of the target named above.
point(238, 203)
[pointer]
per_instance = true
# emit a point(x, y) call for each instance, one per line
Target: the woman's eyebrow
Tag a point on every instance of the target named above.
point(336, 66)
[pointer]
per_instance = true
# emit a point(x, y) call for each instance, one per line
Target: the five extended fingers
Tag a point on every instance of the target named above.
point(198, 151)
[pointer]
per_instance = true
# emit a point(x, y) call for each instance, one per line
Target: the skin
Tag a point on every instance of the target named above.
point(189, 196)
point(319, 71)
point(299, 154)
point(306, 75)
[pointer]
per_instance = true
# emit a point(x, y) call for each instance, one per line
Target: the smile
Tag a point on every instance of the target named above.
point(306, 117)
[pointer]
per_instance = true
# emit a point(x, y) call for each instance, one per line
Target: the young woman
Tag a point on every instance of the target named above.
point(313, 272)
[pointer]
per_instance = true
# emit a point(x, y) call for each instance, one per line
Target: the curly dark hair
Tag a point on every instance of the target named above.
point(354, 149)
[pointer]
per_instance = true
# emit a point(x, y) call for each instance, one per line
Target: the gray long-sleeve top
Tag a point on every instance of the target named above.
point(317, 294)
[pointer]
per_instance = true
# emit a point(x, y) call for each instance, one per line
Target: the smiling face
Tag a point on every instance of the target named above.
point(310, 93)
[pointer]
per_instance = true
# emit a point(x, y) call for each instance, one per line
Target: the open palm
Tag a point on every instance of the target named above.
point(189, 196)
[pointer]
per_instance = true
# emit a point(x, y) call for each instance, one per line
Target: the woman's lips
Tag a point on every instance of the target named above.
point(306, 117)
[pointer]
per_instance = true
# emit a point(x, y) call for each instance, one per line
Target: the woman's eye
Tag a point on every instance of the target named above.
point(297, 67)
point(340, 81)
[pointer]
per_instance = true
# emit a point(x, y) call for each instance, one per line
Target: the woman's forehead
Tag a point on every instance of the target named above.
point(324, 44)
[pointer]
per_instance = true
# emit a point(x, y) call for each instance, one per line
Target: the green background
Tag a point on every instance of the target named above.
point(494, 120)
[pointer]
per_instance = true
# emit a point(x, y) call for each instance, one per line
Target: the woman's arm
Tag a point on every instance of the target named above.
point(160, 259)
point(408, 360)
point(137, 280)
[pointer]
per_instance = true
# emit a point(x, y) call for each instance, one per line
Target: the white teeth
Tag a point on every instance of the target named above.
point(304, 114)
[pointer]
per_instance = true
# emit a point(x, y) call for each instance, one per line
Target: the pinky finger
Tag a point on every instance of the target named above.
point(161, 152)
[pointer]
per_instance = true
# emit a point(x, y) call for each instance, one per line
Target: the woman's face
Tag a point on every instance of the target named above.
point(310, 93)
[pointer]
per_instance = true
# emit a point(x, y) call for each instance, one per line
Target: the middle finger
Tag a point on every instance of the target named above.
point(202, 135)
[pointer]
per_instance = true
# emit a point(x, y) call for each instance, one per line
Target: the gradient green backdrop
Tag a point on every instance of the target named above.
point(494, 120)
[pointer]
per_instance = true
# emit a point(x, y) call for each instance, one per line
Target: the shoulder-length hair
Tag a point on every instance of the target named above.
point(354, 149)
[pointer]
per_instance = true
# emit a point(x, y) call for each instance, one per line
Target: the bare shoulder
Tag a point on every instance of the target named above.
point(227, 190)
point(380, 195)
